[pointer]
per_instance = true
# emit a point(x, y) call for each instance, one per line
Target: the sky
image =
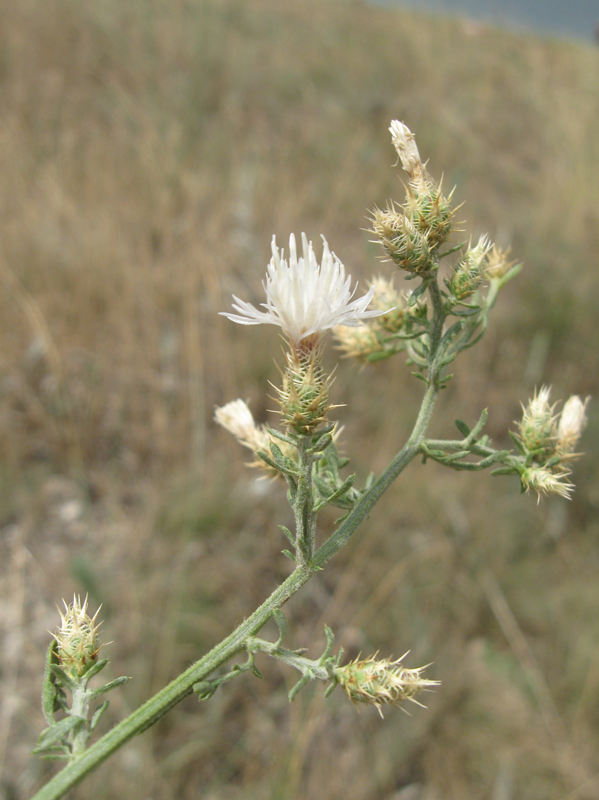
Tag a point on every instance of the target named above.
point(574, 19)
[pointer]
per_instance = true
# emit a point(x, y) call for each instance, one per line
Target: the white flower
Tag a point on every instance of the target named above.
point(304, 297)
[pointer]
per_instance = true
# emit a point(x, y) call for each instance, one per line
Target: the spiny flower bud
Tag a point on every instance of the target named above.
point(469, 272)
point(537, 428)
point(572, 422)
point(543, 481)
point(431, 212)
point(401, 240)
point(304, 397)
point(381, 682)
point(77, 638)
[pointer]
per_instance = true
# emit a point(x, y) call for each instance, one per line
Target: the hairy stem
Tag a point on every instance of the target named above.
point(156, 707)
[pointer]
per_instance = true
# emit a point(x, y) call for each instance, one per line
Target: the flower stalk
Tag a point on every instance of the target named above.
point(306, 299)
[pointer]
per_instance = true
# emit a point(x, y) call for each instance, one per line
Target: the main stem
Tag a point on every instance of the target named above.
point(156, 707)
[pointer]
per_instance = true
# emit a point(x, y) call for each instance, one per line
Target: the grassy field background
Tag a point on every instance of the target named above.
point(148, 152)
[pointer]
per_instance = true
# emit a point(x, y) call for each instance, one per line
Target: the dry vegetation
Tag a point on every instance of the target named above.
point(148, 151)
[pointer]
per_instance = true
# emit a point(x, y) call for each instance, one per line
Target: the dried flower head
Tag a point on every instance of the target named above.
point(303, 297)
point(572, 422)
point(404, 142)
point(77, 638)
point(381, 682)
point(237, 418)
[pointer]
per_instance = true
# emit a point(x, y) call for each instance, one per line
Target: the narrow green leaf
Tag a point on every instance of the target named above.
point(49, 688)
point(96, 716)
point(462, 427)
point(417, 294)
point(288, 534)
point(109, 686)
point(59, 730)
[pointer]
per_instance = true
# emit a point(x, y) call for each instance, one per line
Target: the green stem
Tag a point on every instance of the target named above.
point(157, 706)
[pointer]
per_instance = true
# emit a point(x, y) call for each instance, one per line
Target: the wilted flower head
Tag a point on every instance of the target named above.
point(304, 297)
point(77, 638)
point(237, 418)
point(381, 682)
point(572, 422)
point(404, 142)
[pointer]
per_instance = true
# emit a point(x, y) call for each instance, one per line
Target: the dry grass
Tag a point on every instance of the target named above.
point(148, 151)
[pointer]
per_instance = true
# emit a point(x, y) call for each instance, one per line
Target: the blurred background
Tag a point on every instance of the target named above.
point(148, 152)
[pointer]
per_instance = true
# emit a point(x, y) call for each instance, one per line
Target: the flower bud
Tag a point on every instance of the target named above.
point(381, 682)
point(431, 212)
point(468, 274)
point(537, 428)
point(77, 638)
point(409, 248)
point(304, 397)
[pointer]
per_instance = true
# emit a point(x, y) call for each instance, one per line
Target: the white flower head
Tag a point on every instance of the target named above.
point(304, 297)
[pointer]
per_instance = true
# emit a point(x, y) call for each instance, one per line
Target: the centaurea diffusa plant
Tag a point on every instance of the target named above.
point(433, 324)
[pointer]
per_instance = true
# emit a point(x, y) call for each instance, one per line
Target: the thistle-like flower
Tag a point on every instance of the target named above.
point(77, 638)
point(381, 682)
point(303, 297)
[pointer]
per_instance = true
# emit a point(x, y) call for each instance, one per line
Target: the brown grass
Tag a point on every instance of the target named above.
point(148, 151)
